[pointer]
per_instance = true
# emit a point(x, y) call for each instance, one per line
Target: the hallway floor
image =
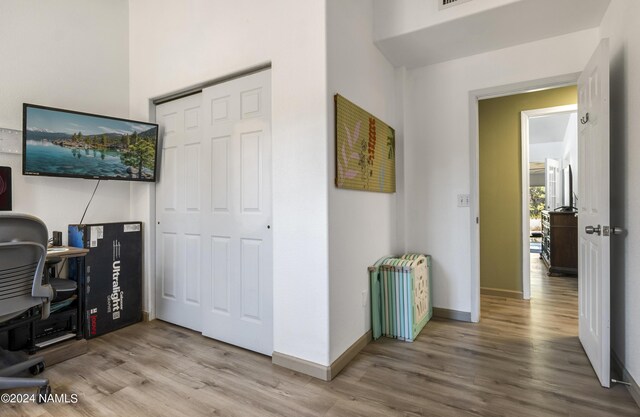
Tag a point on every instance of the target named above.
point(522, 359)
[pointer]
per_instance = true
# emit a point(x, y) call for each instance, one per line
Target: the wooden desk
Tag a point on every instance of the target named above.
point(66, 252)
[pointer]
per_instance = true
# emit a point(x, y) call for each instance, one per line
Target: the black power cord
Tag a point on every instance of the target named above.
point(82, 219)
point(89, 203)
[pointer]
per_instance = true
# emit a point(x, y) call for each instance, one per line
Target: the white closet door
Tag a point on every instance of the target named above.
point(238, 293)
point(213, 205)
point(180, 238)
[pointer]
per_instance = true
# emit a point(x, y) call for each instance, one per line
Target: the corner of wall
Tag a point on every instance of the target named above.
point(400, 75)
point(362, 225)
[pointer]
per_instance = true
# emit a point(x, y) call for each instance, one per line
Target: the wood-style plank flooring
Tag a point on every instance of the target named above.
point(522, 359)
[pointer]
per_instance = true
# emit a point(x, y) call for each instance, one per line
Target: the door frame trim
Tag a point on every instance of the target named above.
point(150, 248)
point(525, 116)
point(197, 88)
point(474, 163)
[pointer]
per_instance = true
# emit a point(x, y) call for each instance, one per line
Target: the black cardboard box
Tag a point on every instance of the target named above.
point(112, 276)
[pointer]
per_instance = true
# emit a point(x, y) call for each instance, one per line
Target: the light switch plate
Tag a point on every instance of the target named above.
point(463, 200)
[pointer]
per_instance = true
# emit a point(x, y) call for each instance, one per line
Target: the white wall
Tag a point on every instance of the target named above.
point(570, 140)
point(174, 45)
point(538, 152)
point(570, 149)
point(397, 17)
point(437, 147)
point(565, 151)
point(71, 54)
point(362, 225)
point(620, 25)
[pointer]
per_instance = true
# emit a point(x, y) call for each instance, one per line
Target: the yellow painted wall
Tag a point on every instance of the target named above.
point(501, 183)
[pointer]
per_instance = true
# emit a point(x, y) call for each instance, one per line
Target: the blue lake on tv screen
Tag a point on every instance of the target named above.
point(47, 158)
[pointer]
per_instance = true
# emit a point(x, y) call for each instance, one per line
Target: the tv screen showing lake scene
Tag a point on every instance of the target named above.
point(65, 143)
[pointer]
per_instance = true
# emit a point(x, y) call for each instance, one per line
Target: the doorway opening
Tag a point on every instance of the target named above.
point(506, 235)
point(594, 228)
point(549, 175)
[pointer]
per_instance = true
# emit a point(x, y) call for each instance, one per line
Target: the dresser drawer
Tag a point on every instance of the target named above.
point(563, 220)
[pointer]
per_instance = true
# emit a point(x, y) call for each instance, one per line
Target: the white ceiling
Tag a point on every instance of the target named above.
point(496, 28)
point(549, 128)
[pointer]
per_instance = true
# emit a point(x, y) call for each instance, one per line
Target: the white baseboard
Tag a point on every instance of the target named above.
point(498, 292)
point(301, 366)
point(325, 373)
point(445, 313)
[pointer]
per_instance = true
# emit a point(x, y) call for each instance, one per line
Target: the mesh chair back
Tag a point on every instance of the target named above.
point(23, 249)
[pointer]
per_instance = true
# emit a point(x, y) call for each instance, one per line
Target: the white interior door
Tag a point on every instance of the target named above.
point(179, 233)
point(593, 211)
point(237, 292)
point(552, 185)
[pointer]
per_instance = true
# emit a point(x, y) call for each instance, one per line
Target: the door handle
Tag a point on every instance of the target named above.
point(616, 230)
point(591, 230)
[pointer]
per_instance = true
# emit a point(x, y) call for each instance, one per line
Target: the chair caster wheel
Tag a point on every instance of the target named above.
point(37, 368)
point(43, 393)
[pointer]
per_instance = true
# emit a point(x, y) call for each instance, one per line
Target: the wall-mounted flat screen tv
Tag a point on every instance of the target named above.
point(64, 143)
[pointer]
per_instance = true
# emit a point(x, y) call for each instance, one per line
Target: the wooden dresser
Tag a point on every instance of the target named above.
point(560, 242)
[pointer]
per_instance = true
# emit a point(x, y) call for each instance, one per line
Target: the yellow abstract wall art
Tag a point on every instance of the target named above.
point(365, 150)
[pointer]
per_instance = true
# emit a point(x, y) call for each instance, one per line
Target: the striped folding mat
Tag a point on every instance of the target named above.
point(400, 296)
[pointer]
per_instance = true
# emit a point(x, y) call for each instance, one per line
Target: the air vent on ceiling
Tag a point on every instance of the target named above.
point(444, 4)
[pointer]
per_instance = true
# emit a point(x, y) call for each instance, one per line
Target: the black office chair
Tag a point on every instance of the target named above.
point(23, 251)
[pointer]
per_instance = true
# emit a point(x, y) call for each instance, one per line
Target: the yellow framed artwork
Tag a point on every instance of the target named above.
point(365, 150)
